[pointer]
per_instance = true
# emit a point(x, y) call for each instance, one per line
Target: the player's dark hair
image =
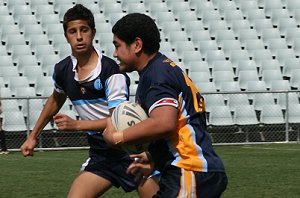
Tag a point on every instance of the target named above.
point(79, 12)
point(134, 25)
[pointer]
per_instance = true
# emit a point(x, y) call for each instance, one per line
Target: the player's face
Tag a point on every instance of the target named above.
point(80, 36)
point(125, 54)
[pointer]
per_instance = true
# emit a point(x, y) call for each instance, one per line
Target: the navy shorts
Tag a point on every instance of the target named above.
point(177, 182)
point(112, 168)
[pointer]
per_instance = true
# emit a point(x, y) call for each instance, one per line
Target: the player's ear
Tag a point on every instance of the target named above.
point(138, 45)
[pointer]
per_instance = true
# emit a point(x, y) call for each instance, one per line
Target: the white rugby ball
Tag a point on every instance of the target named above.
point(127, 114)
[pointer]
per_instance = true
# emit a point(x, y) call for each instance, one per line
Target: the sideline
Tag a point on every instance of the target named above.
point(275, 149)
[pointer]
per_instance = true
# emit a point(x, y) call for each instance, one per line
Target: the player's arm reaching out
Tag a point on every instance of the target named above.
point(65, 123)
point(52, 106)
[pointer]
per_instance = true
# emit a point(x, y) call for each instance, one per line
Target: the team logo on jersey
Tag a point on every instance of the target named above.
point(97, 84)
point(83, 90)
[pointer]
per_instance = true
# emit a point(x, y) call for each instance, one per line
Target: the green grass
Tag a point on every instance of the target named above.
point(254, 171)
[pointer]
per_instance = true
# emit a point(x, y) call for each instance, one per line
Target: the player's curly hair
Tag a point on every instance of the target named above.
point(134, 25)
point(79, 12)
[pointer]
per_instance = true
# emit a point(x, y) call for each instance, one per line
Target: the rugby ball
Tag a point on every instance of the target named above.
point(127, 114)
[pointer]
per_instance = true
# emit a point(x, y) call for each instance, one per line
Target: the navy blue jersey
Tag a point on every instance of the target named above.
point(162, 82)
point(104, 88)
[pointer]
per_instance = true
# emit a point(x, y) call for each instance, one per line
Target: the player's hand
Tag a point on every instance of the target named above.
point(28, 147)
point(111, 135)
point(141, 168)
point(64, 122)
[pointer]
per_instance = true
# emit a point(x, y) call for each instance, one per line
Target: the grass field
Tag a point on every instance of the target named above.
point(254, 171)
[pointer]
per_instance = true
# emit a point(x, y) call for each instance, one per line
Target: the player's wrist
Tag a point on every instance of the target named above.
point(118, 137)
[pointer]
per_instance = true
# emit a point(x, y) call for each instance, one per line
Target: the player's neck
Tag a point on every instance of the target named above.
point(144, 60)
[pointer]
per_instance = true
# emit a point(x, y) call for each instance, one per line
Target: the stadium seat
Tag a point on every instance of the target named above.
point(7, 72)
point(277, 43)
point(222, 65)
point(240, 24)
point(9, 105)
point(3, 51)
point(279, 85)
point(17, 81)
point(216, 25)
point(245, 65)
point(284, 54)
point(42, 9)
point(19, 10)
point(183, 46)
point(220, 116)
point(38, 39)
point(270, 33)
point(237, 55)
point(291, 34)
point(235, 100)
point(6, 60)
point(269, 5)
point(14, 121)
point(201, 5)
point(52, 29)
point(192, 26)
point(285, 23)
point(200, 35)
point(12, 4)
point(271, 114)
point(229, 45)
point(295, 78)
point(26, 60)
point(224, 6)
point(269, 75)
point(292, 99)
point(14, 39)
point(245, 6)
point(253, 44)
point(210, 15)
point(245, 76)
point(205, 45)
point(30, 29)
point(189, 56)
point(226, 34)
point(198, 66)
point(19, 50)
point(254, 14)
point(3, 10)
point(231, 16)
point(214, 55)
point(245, 115)
point(42, 50)
point(261, 24)
point(261, 54)
point(33, 117)
point(269, 64)
point(169, 26)
point(277, 14)
point(246, 34)
point(43, 81)
point(289, 65)
point(32, 73)
point(255, 86)
point(199, 76)
point(293, 114)
point(49, 19)
point(262, 99)
point(219, 77)
point(186, 16)
point(155, 7)
point(26, 20)
point(205, 87)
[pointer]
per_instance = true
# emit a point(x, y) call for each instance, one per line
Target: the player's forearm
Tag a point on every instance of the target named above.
point(90, 125)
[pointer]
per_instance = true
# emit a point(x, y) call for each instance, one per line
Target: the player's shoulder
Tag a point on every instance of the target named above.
point(109, 62)
point(64, 63)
